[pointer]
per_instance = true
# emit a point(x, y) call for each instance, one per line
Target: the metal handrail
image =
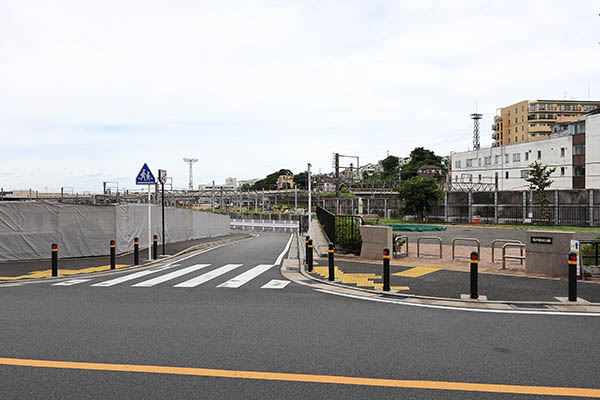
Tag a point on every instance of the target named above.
point(428, 238)
point(508, 256)
point(465, 240)
point(405, 237)
point(505, 241)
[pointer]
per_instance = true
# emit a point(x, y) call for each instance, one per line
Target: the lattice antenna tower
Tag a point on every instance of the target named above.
point(191, 161)
point(476, 117)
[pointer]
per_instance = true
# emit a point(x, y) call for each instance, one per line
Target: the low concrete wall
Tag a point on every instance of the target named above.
point(374, 240)
point(547, 252)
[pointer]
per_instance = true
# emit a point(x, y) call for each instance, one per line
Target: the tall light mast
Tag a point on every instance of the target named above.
point(191, 161)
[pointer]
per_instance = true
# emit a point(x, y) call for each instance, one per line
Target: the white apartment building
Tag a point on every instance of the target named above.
point(575, 154)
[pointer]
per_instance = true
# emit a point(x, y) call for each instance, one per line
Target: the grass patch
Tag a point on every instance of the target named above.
point(555, 228)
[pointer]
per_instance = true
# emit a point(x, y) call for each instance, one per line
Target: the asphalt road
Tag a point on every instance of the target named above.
point(291, 330)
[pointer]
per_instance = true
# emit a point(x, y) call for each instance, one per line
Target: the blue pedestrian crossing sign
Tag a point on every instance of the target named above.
point(145, 176)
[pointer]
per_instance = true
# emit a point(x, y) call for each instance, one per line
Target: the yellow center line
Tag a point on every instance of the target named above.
point(340, 380)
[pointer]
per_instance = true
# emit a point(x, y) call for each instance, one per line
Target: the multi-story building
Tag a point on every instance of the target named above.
point(532, 120)
point(575, 152)
point(231, 182)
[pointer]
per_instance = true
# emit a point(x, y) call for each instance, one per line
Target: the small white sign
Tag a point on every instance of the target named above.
point(576, 247)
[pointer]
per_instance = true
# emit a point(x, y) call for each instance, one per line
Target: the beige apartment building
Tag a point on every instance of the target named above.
point(532, 120)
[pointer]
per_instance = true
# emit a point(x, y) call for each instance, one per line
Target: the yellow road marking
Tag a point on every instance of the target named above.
point(289, 377)
point(416, 272)
point(359, 279)
point(48, 272)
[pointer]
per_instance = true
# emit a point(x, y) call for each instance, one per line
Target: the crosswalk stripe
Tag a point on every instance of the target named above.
point(133, 276)
point(275, 284)
point(71, 282)
point(245, 277)
point(169, 276)
point(208, 276)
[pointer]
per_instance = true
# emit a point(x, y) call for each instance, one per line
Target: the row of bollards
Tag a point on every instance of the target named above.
point(112, 245)
point(474, 271)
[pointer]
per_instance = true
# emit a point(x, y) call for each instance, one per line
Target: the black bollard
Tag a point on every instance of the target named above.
point(136, 251)
point(306, 248)
point(330, 254)
point(474, 267)
point(54, 259)
point(572, 276)
point(154, 247)
point(309, 255)
point(112, 254)
point(386, 269)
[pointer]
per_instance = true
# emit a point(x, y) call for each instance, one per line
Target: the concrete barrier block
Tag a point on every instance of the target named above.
point(374, 240)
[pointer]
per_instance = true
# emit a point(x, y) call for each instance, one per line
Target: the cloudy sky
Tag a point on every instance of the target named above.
point(90, 90)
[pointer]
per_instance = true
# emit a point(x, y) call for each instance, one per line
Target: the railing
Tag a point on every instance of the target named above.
point(397, 247)
point(428, 238)
point(518, 214)
point(465, 240)
point(342, 230)
point(595, 253)
point(508, 256)
point(506, 241)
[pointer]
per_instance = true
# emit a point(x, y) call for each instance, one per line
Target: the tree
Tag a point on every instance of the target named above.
point(420, 196)
point(390, 168)
point(301, 180)
point(270, 182)
point(246, 186)
point(538, 176)
point(419, 157)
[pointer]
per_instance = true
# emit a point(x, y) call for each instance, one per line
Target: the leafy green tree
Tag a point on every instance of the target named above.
point(301, 180)
point(270, 182)
point(246, 186)
point(420, 196)
point(419, 157)
point(538, 177)
point(390, 167)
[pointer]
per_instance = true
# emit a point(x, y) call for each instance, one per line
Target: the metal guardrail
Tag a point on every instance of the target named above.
point(508, 256)
point(428, 238)
point(397, 248)
point(264, 224)
point(465, 240)
point(505, 241)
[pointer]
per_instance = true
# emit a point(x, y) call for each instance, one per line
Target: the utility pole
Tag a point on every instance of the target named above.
point(337, 175)
point(295, 197)
point(213, 196)
point(309, 197)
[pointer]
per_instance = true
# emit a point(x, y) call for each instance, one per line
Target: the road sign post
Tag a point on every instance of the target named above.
point(145, 177)
point(162, 177)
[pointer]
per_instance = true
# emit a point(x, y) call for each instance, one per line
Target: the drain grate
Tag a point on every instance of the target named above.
point(532, 306)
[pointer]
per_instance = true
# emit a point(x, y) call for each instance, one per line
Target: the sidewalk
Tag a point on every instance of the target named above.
point(434, 281)
point(13, 270)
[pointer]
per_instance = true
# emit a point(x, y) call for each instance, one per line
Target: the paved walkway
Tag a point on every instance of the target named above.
point(14, 270)
point(452, 283)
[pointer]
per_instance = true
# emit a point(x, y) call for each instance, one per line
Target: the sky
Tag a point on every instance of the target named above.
point(92, 90)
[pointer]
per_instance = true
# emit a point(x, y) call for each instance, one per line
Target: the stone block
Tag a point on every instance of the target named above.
point(374, 240)
point(547, 252)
